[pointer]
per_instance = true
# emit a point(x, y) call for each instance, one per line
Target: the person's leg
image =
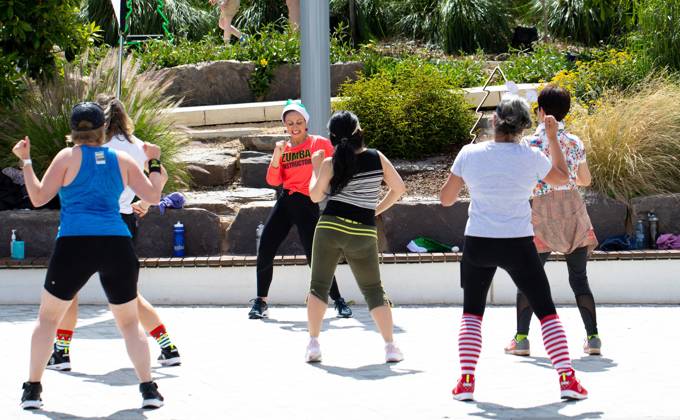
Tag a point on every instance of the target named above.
point(61, 357)
point(274, 233)
point(127, 320)
point(525, 267)
point(294, 13)
point(326, 253)
point(578, 280)
point(152, 323)
point(52, 310)
point(305, 215)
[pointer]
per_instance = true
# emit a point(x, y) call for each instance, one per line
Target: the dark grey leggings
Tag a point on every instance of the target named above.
point(578, 280)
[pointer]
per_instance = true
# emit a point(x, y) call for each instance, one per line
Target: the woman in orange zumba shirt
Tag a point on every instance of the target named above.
point(291, 166)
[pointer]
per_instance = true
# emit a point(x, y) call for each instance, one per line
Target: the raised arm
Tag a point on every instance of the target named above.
point(41, 192)
point(149, 188)
point(559, 173)
point(449, 192)
point(321, 176)
point(396, 185)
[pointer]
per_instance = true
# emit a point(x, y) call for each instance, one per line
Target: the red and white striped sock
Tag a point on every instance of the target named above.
point(469, 342)
point(555, 342)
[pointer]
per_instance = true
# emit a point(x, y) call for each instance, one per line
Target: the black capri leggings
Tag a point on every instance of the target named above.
point(76, 258)
point(517, 256)
point(290, 209)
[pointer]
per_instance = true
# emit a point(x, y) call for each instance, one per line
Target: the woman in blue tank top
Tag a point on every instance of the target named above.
point(92, 238)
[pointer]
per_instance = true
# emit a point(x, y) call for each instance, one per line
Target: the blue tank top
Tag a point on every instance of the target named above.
point(89, 204)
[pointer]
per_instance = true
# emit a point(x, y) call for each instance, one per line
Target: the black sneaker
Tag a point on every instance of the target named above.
point(259, 310)
point(30, 399)
point(60, 360)
point(150, 395)
point(169, 356)
point(343, 309)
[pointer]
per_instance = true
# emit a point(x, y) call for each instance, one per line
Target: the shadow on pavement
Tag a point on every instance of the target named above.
point(584, 364)
point(361, 315)
point(368, 372)
point(546, 411)
point(120, 377)
point(27, 313)
point(131, 414)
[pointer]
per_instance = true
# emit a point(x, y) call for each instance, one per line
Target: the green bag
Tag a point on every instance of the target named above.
point(424, 244)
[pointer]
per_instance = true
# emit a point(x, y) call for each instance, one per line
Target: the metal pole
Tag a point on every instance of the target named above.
point(315, 68)
point(119, 84)
point(353, 23)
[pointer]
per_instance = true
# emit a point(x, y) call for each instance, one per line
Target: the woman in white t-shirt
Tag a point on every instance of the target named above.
point(500, 176)
point(119, 135)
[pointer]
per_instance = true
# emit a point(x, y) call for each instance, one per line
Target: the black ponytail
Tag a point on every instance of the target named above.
point(347, 137)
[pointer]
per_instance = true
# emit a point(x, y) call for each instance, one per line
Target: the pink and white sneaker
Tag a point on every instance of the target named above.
point(393, 354)
point(313, 352)
point(570, 387)
point(464, 388)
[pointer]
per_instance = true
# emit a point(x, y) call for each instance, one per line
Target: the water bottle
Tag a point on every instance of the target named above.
point(639, 235)
point(178, 246)
point(16, 247)
point(258, 235)
point(653, 228)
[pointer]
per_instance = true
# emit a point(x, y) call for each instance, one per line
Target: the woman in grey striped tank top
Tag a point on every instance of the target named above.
point(351, 181)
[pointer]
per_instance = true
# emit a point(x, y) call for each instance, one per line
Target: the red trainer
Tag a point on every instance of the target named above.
point(570, 387)
point(464, 388)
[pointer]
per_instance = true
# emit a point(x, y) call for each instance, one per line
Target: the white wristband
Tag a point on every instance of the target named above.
point(27, 162)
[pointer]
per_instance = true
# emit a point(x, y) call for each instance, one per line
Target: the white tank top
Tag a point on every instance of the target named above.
point(136, 150)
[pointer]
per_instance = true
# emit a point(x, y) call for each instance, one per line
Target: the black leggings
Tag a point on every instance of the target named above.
point(290, 209)
point(578, 280)
point(517, 256)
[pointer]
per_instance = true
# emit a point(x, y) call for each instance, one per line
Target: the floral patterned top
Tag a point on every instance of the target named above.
point(574, 153)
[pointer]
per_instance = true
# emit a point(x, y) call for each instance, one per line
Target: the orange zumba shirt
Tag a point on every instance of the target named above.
point(295, 167)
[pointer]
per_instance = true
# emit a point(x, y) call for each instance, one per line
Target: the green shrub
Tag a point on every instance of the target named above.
point(410, 114)
point(466, 25)
point(602, 70)
point(44, 113)
point(537, 66)
point(40, 35)
point(659, 32)
point(11, 83)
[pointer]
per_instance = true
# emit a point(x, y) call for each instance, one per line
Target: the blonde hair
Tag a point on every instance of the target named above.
point(118, 122)
point(85, 134)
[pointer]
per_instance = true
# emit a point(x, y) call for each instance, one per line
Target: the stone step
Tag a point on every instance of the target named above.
point(210, 165)
point(262, 142)
point(217, 133)
point(253, 167)
point(226, 202)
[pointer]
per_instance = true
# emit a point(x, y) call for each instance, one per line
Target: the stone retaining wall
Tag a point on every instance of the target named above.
point(406, 220)
point(226, 82)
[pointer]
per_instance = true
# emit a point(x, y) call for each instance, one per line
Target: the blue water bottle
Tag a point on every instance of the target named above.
point(639, 235)
point(178, 245)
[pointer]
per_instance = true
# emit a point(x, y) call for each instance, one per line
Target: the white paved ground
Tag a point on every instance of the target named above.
point(237, 368)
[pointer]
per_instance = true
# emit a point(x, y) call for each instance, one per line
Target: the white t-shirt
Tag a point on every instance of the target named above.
point(136, 150)
point(500, 178)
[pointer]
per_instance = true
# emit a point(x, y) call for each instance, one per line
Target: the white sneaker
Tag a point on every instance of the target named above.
point(313, 353)
point(392, 353)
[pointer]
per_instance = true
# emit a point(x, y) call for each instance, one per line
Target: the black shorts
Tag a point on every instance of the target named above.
point(77, 258)
point(131, 222)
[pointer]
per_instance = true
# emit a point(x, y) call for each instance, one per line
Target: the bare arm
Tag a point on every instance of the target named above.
point(396, 185)
point(41, 192)
point(149, 188)
point(449, 192)
point(559, 173)
point(583, 177)
point(321, 179)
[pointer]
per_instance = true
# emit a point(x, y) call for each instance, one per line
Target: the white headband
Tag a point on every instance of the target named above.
point(297, 107)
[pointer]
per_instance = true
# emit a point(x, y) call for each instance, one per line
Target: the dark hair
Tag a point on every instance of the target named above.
point(118, 122)
point(512, 116)
point(554, 100)
point(347, 137)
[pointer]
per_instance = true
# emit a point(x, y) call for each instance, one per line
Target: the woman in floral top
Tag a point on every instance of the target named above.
point(561, 222)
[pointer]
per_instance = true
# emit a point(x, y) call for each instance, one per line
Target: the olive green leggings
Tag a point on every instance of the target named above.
point(335, 237)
